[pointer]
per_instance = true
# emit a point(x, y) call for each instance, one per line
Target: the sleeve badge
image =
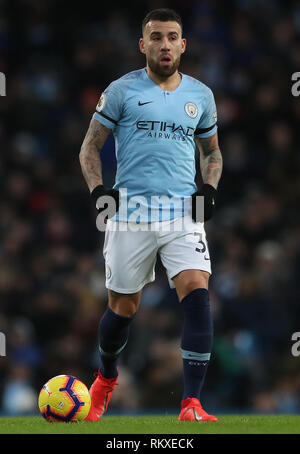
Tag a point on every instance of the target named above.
point(101, 102)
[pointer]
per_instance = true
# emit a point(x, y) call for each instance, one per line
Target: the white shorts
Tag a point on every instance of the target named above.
point(130, 255)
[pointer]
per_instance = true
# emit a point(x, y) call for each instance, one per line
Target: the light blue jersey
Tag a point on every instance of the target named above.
point(154, 141)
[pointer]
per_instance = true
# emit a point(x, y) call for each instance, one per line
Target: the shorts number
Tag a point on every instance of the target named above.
point(203, 247)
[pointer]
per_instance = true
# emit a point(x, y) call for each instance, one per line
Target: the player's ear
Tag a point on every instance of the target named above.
point(141, 45)
point(183, 45)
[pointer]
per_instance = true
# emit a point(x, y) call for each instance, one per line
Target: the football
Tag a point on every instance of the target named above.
point(64, 398)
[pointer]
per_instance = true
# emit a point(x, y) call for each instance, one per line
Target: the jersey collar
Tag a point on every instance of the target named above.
point(146, 77)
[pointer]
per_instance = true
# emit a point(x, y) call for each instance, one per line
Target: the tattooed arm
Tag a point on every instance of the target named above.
point(89, 153)
point(211, 162)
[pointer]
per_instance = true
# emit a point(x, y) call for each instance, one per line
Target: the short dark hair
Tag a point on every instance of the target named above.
point(163, 15)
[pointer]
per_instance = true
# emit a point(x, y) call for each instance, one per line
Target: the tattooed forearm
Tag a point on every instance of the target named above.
point(89, 153)
point(211, 168)
point(211, 161)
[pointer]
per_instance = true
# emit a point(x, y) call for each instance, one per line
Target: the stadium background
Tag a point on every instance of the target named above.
point(57, 58)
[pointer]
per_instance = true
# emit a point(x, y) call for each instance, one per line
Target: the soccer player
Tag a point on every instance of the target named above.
point(156, 115)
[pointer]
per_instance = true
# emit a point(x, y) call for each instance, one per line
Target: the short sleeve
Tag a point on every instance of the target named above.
point(109, 107)
point(207, 125)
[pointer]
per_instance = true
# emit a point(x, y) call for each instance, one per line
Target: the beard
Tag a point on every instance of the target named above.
point(161, 70)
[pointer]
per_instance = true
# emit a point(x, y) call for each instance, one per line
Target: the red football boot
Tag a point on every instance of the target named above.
point(191, 410)
point(100, 392)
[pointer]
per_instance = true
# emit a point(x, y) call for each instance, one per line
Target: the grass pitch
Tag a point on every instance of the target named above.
point(112, 425)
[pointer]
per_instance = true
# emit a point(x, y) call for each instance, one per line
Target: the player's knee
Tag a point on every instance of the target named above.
point(122, 304)
point(125, 308)
point(190, 286)
point(190, 280)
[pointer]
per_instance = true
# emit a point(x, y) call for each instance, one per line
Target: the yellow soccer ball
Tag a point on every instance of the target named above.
point(64, 398)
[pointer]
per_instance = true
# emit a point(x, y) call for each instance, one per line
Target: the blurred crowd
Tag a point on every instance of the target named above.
point(57, 60)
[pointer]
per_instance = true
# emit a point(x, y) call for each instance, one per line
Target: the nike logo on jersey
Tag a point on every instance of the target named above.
point(143, 103)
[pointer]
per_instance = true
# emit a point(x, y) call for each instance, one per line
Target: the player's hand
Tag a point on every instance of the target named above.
point(107, 204)
point(210, 194)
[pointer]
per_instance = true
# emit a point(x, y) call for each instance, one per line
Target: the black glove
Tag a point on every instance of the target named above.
point(100, 191)
point(209, 193)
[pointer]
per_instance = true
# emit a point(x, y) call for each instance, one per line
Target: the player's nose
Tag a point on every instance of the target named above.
point(165, 44)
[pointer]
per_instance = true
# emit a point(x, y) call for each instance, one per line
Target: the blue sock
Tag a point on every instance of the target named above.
point(112, 337)
point(196, 341)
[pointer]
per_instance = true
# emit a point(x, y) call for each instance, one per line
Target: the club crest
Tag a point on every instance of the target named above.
point(191, 109)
